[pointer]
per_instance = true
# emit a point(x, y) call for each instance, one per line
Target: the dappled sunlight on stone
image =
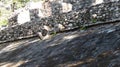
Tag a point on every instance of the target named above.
point(66, 7)
point(62, 33)
point(78, 63)
point(110, 30)
point(13, 64)
point(52, 45)
point(15, 46)
point(35, 5)
point(75, 64)
point(98, 2)
point(70, 37)
point(11, 47)
point(107, 31)
point(23, 17)
point(54, 14)
point(33, 41)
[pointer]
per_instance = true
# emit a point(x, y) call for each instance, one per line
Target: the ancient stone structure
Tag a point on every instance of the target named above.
point(97, 47)
point(78, 17)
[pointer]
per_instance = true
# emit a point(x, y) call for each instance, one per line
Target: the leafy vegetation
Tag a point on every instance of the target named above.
point(3, 22)
point(54, 33)
point(4, 13)
point(0, 13)
point(3, 16)
point(83, 28)
point(94, 20)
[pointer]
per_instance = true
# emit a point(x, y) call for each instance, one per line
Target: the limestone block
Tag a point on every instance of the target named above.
point(23, 17)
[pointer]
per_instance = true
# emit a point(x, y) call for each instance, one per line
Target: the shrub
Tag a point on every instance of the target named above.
point(94, 20)
point(0, 13)
point(4, 22)
point(83, 28)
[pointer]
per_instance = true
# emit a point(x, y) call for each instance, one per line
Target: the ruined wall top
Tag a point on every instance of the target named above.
point(105, 12)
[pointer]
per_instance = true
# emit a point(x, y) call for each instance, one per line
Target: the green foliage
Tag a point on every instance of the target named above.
point(21, 1)
point(25, 1)
point(37, 0)
point(54, 33)
point(0, 13)
point(83, 28)
point(4, 13)
point(94, 20)
point(4, 22)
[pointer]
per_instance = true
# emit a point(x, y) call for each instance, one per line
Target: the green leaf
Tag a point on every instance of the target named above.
point(83, 28)
point(94, 20)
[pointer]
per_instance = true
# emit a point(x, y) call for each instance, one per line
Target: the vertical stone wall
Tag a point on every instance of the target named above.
point(55, 7)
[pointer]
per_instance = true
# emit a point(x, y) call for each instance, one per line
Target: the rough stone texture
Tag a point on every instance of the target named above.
point(23, 17)
point(53, 7)
point(90, 15)
point(96, 47)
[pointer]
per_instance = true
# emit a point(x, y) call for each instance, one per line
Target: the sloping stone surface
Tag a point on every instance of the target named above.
point(95, 47)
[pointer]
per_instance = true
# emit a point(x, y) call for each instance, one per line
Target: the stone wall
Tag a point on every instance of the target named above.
point(104, 12)
point(53, 7)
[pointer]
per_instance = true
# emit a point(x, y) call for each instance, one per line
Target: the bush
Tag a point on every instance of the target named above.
point(0, 13)
point(4, 22)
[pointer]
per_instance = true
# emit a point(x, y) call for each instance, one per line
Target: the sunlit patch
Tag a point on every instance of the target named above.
point(11, 47)
point(110, 30)
point(47, 37)
point(98, 2)
point(61, 27)
point(75, 64)
point(107, 31)
point(94, 15)
point(13, 64)
point(47, 28)
point(53, 45)
point(66, 7)
point(35, 5)
point(23, 17)
point(15, 46)
point(34, 41)
point(78, 63)
point(70, 37)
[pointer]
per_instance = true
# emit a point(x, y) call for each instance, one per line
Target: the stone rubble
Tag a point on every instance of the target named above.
point(104, 12)
point(97, 47)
